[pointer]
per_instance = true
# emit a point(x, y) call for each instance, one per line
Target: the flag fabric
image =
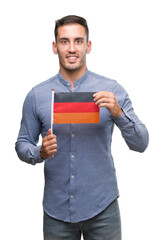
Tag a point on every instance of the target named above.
point(75, 107)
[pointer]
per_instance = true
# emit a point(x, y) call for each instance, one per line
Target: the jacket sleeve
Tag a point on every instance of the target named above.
point(26, 144)
point(132, 129)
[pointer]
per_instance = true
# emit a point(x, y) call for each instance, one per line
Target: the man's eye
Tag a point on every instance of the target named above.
point(78, 41)
point(64, 42)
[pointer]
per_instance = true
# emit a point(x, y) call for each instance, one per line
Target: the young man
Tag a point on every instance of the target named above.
point(81, 192)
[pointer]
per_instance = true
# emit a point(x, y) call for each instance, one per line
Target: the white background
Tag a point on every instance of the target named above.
point(128, 45)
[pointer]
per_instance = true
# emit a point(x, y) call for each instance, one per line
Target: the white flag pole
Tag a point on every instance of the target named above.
point(52, 110)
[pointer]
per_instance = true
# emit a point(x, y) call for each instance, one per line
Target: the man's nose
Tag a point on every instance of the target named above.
point(72, 47)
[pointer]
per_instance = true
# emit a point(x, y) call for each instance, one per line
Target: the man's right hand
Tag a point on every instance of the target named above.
point(49, 145)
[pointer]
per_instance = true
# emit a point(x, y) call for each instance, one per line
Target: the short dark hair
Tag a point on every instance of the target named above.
point(71, 19)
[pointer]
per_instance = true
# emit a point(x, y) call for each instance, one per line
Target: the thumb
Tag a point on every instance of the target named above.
point(49, 132)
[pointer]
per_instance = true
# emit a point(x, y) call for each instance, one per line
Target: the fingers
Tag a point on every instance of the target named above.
point(103, 98)
point(108, 100)
point(49, 145)
point(49, 136)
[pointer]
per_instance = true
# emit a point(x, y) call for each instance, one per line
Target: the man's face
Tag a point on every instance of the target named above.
point(71, 47)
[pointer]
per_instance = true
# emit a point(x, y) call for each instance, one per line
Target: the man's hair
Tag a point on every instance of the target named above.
point(71, 19)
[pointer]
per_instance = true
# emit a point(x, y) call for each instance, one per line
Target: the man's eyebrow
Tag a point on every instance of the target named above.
point(64, 38)
point(79, 38)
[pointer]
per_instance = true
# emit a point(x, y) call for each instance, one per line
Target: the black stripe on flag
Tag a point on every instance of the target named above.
point(73, 97)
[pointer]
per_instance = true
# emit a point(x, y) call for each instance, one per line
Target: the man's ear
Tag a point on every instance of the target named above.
point(54, 48)
point(89, 46)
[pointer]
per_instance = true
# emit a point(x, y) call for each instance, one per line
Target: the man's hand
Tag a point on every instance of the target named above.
point(108, 100)
point(49, 145)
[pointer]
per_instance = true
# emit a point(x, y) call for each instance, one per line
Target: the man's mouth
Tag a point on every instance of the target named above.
point(72, 59)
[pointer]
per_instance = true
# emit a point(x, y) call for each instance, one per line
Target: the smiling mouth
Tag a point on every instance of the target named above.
point(72, 59)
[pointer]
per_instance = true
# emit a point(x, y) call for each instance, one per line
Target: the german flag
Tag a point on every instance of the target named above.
point(75, 107)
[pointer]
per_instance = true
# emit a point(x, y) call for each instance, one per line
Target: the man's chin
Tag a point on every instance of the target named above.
point(72, 68)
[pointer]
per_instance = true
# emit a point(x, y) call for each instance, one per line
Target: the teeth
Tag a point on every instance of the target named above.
point(72, 57)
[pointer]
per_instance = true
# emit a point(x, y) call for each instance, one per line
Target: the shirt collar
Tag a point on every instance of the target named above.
point(77, 82)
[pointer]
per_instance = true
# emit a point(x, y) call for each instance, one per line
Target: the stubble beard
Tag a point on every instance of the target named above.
point(72, 67)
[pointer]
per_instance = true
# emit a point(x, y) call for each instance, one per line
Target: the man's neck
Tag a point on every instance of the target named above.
point(72, 76)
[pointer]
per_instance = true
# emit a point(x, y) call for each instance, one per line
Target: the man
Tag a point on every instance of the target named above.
point(81, 192)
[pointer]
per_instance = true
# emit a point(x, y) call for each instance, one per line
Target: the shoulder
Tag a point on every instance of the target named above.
point(102, 78)
point(46, 84)
point(104, 83)
point(41, 91)
point(107, 84)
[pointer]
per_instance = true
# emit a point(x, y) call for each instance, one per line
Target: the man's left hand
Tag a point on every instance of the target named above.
point(108, 100)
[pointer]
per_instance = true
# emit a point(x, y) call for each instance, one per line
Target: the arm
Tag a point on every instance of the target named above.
point(132, 129)
point(26, 145)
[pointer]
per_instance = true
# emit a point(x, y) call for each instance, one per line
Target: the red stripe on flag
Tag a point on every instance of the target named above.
point(75, 107)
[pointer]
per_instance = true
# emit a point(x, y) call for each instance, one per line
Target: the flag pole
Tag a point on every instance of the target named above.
point(52, 110)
